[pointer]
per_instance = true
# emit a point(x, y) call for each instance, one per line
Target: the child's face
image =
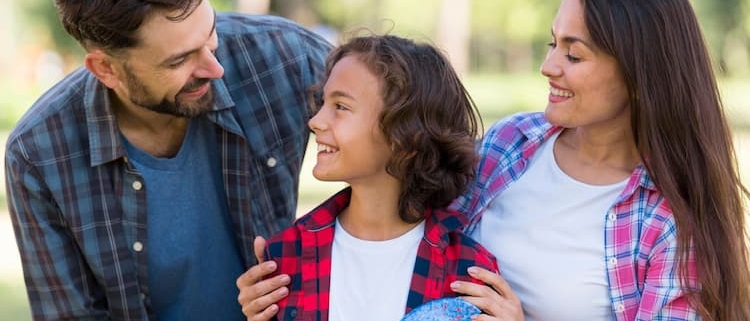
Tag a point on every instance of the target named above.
point(351, 146)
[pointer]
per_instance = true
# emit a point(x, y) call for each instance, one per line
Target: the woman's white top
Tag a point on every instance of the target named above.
point(547, 232)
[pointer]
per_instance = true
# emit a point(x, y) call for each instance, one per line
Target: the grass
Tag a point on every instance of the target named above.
point(13, 302)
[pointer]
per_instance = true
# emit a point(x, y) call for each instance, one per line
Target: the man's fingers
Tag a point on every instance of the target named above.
point(266, 315)
point(255, 274)
point(263, 291)
point(264, 307)
point(259, 245)
point(258, 299)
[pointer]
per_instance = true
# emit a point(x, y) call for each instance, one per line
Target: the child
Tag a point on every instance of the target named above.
point(398, 126)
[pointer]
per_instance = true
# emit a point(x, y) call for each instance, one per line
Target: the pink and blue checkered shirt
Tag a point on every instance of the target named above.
point(640, 232)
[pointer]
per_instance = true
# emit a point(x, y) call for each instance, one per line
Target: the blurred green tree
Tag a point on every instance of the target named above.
point(725, 26)
point(504, 35)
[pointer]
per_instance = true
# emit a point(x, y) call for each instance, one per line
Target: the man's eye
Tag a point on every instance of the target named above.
point(177, 63)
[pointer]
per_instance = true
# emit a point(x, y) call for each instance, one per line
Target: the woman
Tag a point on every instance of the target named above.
point(634, 144)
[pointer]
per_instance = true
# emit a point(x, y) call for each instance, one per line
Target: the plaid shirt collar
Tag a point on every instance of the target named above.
point(437, 222)
point(537, 134)
point(104, 134)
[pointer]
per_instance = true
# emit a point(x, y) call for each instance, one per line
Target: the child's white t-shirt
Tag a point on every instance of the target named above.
point(370, 280)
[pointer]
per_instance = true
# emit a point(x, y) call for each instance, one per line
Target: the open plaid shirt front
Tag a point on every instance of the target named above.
point(640, 232)
point(304, 252)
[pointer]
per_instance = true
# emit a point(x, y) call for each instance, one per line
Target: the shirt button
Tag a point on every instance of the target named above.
point(293, 313)
point(271, 162)
point(612, 217)
point(143, 296)
point(620, 307)
point(613, 261)
point(137, 185)
point(138, 246)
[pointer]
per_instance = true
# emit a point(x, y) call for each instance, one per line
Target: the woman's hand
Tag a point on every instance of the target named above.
point(258, 297)
point(496, 300)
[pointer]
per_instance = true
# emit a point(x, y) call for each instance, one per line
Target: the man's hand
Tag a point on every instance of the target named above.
point(258, 297)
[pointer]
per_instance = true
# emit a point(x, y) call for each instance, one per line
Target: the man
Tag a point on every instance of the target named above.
point(138, 183)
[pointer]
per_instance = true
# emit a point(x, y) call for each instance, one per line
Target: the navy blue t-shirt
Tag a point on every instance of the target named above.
point(193, 257)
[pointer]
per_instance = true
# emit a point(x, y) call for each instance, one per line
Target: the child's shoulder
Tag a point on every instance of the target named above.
point(470, 252)
point(288, 241)
point(284, 243)
point(460, 245)
point(466, 244)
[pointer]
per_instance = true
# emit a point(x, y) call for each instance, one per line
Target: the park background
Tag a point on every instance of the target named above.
point(496, 45)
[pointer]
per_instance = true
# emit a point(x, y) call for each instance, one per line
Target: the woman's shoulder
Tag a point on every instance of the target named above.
point(512, 134)
point(519, 125)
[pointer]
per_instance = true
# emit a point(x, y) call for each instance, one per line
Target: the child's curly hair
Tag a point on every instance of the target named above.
point(428, 118)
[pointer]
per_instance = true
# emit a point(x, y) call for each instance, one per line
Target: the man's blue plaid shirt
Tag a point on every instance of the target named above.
point(79, 207)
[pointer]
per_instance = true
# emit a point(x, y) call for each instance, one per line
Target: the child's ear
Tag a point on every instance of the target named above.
point(101, 65)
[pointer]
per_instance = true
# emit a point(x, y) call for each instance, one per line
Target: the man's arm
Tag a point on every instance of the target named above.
point(57, 281)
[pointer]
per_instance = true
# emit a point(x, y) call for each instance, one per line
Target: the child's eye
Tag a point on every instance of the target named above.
point(552, 44)
point(572, 58)
point(340, 107)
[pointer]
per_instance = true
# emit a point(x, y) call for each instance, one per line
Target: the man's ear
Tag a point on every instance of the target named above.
point(102, 66)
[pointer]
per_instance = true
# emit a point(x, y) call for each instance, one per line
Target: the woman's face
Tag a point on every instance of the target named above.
point(587, 88)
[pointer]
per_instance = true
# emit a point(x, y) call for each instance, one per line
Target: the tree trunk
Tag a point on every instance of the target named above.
point(454, 32)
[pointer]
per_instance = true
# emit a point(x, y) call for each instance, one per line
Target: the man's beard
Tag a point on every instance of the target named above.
point(180, 108)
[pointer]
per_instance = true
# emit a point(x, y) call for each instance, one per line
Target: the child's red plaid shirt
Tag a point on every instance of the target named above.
point(303, 251)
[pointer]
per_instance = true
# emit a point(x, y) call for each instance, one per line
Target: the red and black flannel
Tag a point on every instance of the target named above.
point(304, 252)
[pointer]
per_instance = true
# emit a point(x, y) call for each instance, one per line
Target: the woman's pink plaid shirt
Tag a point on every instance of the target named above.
point(640, 233)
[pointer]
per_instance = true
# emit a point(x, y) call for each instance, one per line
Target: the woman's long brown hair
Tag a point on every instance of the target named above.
point(683, 137)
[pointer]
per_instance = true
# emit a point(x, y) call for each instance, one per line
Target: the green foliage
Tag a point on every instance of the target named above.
point(223, 5)
point(42, 19)
point(513, 20)
point(14, 101)
point(725, 26)
point(506, 35)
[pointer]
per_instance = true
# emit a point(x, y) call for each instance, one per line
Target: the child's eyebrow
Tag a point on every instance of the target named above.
point(339, 93)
